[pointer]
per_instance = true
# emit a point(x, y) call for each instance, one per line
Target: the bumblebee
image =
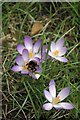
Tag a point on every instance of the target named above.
point(32, 66)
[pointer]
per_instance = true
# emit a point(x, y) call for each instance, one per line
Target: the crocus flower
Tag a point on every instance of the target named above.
point(57, 50)
point(56, 101)
point(32, 49)
point(27, 66)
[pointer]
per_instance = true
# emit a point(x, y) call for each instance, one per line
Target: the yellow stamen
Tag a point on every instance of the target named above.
point(55, 53)
point(56, 100)
point(30, 54)
point(25, 67)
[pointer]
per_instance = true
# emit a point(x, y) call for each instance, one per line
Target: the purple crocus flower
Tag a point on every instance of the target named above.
point(27, 66)
point(54, 101)
point(57, 50)
point(32, 49)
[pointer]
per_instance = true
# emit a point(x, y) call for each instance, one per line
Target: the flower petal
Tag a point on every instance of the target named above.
point(64, 93)
point(44, 48)
point(66, 105)
point(47, 106)
point(44, 57)
point(50, 53)
point(16, 68)
point(36, 60)
point(62, 59)
point(25, 55)
point(60, 43)
point(38, 55)
point(19, 60)
point(32, 75)
point(44, 51)
point(48, 95)
point(53, 46)
point(20, 48)
point(24, 71)
point(62, 51)
point(37, 75)
point(51, 82)
point(28, 42)
point(57, 106)
point(52, 88)
point(38, 70)
point(37, 46)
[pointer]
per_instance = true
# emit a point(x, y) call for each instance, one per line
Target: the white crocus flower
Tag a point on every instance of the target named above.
point(57, 50)
point(56, 101)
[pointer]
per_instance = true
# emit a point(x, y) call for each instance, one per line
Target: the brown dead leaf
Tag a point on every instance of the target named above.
point(37, 26)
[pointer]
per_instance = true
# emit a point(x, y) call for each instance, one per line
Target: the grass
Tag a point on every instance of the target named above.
point(23, 96)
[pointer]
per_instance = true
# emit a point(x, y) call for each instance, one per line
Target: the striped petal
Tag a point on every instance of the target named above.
point(62, 59)
point(36, 46)
point(53, 46)
point(52, 88)
point(20, 48)
point(60, 43)
point(25, 55)
point(19, 60)
point(66, 105)
point(16, 68)
point(28, 42)
point(64, 93)
point(62, 51)
point(48, 95)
